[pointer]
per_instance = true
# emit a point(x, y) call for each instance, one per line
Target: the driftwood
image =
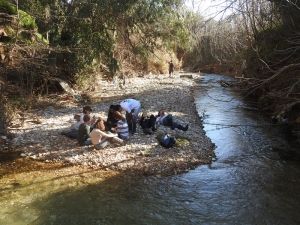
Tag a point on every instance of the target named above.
point(225, 84)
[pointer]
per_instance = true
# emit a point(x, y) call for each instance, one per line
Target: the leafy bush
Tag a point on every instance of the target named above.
point(6, 7)
point(26, 21)
point(45, 41)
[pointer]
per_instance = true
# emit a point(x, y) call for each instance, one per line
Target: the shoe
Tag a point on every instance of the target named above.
point(147, 131)
point(186, 128)
point(172, 128)
point(154, 129)
point(126, 140)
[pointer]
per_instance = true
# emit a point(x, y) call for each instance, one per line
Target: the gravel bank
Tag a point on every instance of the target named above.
point(142, 154)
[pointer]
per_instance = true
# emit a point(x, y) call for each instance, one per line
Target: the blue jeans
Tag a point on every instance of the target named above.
point(135, 114)
point(168, 121)
point(88, 142)
point(102, 144)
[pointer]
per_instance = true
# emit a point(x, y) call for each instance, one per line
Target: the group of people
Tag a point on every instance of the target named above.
point(116, 129)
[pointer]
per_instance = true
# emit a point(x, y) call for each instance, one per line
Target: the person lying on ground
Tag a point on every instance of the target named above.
point(167, 120)
point(73, 132)
point(122, 126)
point(84, 131)
point(111, 122)
point(100, 139)
point(147, 123)
point(132, 108)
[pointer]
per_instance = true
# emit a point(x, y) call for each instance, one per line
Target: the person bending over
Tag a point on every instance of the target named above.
point(132, 108)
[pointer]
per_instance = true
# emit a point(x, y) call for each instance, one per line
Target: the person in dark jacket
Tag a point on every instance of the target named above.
point(111, 122)
point(84, 131)
point(147, 123)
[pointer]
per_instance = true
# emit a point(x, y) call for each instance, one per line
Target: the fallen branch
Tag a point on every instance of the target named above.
point(275, 75)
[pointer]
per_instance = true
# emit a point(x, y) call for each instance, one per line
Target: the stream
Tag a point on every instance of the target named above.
point(252, 180)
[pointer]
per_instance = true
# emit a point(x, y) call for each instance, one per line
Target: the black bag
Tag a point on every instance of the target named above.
point(167, 141)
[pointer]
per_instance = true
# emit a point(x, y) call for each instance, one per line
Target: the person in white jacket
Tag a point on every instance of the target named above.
point(132, 108)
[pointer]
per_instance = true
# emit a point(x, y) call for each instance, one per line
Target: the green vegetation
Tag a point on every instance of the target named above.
point(40, 37)
point(77, 41)
point(6, 7)
point(109, 32)
point(26, 21)
point(18, 102)
point(182, 141)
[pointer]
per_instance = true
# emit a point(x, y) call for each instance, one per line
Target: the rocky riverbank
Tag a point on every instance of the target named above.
point(37, 132)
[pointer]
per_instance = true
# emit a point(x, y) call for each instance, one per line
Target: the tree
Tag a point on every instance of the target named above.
point(85, 34)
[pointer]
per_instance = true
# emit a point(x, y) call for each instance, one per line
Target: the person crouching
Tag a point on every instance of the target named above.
point(147, 123)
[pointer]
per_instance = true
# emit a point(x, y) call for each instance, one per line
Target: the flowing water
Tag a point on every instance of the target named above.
point(249, 182)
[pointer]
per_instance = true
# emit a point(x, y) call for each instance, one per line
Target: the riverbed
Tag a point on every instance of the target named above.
point(248, 182)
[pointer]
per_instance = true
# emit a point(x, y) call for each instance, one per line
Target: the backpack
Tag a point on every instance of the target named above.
point(167, 141)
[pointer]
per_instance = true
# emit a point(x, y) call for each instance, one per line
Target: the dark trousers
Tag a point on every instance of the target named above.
point(168, 121)
point(148, 122)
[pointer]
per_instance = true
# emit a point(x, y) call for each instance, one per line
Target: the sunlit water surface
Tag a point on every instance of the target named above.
point(248, 183)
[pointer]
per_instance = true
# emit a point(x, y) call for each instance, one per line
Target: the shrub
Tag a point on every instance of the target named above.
point(7, 8)
point(26, 21)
